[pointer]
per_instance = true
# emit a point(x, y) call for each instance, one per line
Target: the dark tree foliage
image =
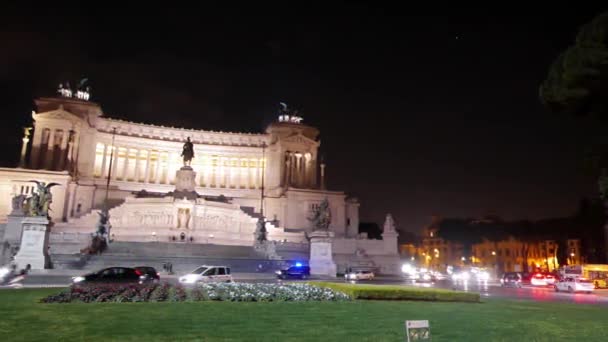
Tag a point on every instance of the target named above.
point(577, 81)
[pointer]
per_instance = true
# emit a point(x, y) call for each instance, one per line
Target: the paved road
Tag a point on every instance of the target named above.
point(487, 290)
point(536, 293)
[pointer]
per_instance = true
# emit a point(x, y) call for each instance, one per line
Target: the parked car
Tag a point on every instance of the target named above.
point(297, 271)
point(573, 284)
point(113, 275)
point(207, 274)
point(359, 275)
point(149, 273)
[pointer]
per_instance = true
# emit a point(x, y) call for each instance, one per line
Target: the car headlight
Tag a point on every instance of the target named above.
point(278, 272)
point(78, 279)
point(189, 279)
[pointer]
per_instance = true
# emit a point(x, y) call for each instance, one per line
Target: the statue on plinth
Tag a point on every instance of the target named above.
point(39, 203)
point(188, 152)
point(321, 216)
point(99, 239)
point(260, 231)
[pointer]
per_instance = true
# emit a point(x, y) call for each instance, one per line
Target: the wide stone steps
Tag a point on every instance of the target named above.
point(180, 249)
point(183, 256)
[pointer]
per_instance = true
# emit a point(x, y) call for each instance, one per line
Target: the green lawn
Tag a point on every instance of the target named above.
point(24, 319)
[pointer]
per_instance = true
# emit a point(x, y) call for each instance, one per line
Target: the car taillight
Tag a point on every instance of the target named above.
point(138, 272)
point(158, 274)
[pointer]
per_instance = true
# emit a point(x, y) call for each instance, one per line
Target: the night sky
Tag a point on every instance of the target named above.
point(420, 113)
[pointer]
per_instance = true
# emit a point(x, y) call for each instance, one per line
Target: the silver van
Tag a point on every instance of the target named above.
point(207, 274)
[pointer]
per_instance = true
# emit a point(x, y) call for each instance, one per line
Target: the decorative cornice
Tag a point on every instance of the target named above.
point(177, 134)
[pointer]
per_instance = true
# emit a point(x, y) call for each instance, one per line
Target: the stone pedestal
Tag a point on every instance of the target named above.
point(185, 183)
point(321, 258)
point(10, 237)
point(12, 233)
point(34, 244)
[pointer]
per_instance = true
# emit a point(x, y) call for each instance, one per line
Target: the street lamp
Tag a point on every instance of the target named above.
point(262, 182)
point(105, 205)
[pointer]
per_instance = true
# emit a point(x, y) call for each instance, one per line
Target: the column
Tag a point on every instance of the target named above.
point(103, 160)
point(299, 170)
point(114, 161)
point(157, 174)
point(25, 140)
point(306, 171)
point(239, 172)
point(207, 171)
point(292, 169)
point(218, 173)
point(75, 150)
point(48, 160)
point(322, 176)
point(63, 152)
point(136, 172)
point(249, 173)
point(229, 173)
point(71, 151)
point(147, 175)
point(313, 173)
point(125, 165)
point(258, 172)
point(36, 144)
point(287, 168)
point(173, 162)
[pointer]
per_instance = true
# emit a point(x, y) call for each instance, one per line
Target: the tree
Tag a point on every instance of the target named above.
point(577, 84)
point(577, 81)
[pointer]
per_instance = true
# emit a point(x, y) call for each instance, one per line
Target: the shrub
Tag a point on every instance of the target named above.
point(391, 292)
point(160, 294)
point(236, 292)
point(178, 294)
point(195, 295)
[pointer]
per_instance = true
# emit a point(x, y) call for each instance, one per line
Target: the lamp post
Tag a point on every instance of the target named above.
point(106, 214)
point(105, 204)
point(260, 233)
point(262, 181)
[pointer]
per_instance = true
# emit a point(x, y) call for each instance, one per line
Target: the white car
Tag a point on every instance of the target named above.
point(572, 284)
point(359, 275)
point(207, 274)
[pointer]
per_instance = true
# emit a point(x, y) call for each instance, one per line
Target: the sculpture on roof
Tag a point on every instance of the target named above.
point(287, 115)
point(83, 91)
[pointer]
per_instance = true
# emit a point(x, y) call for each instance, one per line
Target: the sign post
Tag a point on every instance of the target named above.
point(417, 331)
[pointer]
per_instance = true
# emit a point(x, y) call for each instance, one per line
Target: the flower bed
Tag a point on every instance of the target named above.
point(236, 292)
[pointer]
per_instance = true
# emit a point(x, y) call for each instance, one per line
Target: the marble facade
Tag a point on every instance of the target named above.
point(75, 143)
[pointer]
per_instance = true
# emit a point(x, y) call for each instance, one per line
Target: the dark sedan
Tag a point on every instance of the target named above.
point(114, 275)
